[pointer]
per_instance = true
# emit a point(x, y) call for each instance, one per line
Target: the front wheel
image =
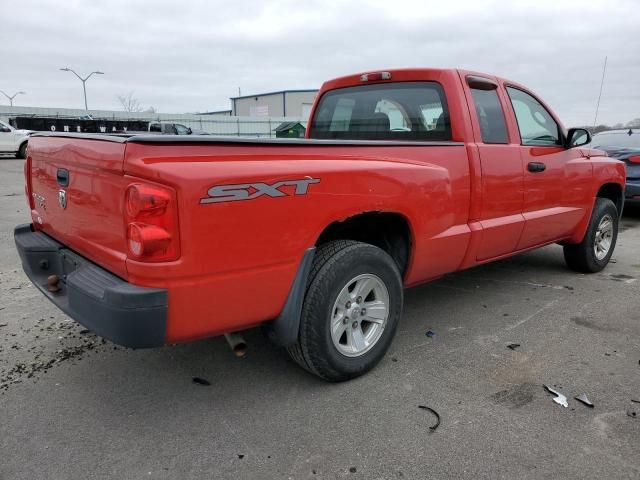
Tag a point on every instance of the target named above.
point(22, 151)
point(596, 248)
point(350, 312)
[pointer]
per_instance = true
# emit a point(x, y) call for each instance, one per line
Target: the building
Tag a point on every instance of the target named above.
point(285, 103)
point(290, 130)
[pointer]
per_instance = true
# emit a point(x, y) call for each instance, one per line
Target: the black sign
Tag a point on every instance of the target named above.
point(78, 125)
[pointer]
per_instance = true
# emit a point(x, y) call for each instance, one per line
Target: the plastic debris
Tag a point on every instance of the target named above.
point(584, 399)
point(559, 398)
point(430, 334)
point(513, 346)
point(632, 412)
point(433, 427)
point(201, 381)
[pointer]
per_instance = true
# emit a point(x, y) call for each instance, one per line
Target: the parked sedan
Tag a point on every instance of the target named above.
point(623, 145)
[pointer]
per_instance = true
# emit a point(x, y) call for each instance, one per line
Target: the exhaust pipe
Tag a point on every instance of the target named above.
point(237, 344)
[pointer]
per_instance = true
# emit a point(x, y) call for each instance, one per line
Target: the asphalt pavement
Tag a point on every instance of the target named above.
point(73, 406)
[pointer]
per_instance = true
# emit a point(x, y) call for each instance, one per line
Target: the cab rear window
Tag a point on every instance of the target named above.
point(414, 111)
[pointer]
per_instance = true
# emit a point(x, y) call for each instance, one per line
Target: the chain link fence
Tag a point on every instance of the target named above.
point(43, 119)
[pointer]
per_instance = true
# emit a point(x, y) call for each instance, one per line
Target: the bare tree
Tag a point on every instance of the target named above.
point(151, 109)
point(130, 103)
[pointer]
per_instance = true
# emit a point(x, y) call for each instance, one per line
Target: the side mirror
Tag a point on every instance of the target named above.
point(5, 129)
point(576, 137)
point(189, 131)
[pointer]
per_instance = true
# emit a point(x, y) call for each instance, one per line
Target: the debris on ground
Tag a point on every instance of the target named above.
point(430, 334)
point(513, 346)
point(3, 324)
point(433, 427)
point(353, 469)
point(584, 399)
point(632, 412)
point(559, 398)
point(201, 381)
point(634, 400)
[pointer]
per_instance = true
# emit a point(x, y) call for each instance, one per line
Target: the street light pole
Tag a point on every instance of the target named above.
point(11, 97)
point(83, 80)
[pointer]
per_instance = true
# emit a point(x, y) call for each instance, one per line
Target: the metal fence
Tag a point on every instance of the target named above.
point(221, 125)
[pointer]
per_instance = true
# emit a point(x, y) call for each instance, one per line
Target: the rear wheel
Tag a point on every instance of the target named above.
point(595, 250)
point(22, 151)
point(351, 309)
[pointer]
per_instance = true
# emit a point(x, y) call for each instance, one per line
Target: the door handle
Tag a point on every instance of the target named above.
point(536, 167)
point(62, 176)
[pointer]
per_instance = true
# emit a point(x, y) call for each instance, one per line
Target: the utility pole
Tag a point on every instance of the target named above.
point(604, 69)
point(11, 97)
point(84, 81)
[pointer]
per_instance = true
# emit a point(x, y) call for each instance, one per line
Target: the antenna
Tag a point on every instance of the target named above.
point(604, 69)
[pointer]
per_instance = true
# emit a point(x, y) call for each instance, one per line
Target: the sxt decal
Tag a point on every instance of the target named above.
point(249, 191)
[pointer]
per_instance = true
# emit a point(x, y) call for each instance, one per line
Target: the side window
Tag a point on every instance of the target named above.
point(536, 125)
point(155, 127)
point(490, 115)
point(181, 129)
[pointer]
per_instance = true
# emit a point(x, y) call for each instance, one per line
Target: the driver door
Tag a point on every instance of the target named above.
point(556, 179)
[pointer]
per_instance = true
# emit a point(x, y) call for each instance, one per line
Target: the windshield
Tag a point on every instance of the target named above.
point(620, 139)
point(395, 111)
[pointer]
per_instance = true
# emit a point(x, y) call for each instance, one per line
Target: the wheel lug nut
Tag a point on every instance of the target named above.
point(348, 305)
point(363, 312)
point(345, 320)
point(354, 325)
point(359, 300)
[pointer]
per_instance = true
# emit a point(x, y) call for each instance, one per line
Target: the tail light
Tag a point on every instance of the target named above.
point(635, 159)
point(27, 182)
point(151, 218)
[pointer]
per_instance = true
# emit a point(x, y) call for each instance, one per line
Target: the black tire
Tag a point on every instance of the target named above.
point(22, 151)
point(582, 257)
point(335, 264)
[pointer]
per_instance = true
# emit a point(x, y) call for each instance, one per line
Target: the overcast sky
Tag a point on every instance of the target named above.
point(187, 56)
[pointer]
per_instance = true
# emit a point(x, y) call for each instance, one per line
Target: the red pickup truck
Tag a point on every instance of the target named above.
point(405, 175)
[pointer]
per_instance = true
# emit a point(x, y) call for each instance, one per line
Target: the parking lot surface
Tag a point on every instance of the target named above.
point(73, 406)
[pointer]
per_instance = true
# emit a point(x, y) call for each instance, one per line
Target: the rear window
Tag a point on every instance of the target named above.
point(617, 139)
point(394, 111)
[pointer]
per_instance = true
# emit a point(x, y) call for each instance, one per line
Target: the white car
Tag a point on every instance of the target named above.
point(13, 141)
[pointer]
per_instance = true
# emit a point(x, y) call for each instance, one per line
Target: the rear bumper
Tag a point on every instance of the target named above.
point(126, 314)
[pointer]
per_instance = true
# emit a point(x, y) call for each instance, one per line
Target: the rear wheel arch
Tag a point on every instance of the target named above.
point(390, 231)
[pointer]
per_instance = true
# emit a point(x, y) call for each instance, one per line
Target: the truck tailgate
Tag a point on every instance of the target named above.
point(77, 194)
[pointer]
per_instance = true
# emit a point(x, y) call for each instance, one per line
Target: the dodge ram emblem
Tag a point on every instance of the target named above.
point(62, 199)
point(249, 191)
